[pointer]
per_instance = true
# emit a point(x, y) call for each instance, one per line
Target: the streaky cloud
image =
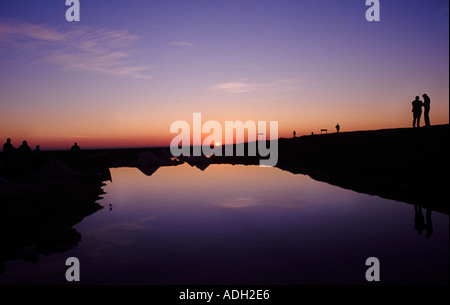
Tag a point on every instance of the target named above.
point(287, 84)
point(181, 44)
point(85, 48)
point(236, 87)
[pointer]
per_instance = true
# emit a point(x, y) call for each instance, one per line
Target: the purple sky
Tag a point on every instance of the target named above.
point(128, 69)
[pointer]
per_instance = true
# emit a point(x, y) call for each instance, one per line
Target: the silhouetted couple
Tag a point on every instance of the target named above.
point(417, 105)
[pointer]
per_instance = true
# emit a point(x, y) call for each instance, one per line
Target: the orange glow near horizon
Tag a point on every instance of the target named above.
point(158, 136)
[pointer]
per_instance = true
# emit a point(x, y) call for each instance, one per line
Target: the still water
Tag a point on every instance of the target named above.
point(243, 225)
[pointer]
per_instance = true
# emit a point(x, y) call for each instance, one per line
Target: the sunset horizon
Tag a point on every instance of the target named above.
point(111, 81)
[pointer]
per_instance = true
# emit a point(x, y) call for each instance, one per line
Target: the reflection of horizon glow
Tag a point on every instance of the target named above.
point(219, 181)
point(239, 203)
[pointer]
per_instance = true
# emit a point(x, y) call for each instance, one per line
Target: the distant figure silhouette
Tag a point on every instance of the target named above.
point(426, 109)
point(294, 133)
point(417, 111)
point(338, 127)
point(37, 157)
point(75, 147)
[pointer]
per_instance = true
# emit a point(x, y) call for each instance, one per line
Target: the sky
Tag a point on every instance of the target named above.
point(128, 69)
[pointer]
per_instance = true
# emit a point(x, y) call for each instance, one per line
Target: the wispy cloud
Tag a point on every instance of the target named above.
point(34, 31)
point(289, 84)
point(84, 49)
point(182, 44)
point(236, 87)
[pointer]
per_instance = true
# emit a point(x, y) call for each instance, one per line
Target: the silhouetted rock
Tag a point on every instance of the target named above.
point(56, 168)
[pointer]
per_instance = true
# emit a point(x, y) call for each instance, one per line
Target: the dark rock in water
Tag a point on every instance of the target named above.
point(148, 170)
point(200, 162)
point(56, 168)
point(165, 155)
point(30, 253)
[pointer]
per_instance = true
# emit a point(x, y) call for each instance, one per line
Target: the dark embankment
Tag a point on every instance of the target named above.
point(409, 165)
point(40, 204)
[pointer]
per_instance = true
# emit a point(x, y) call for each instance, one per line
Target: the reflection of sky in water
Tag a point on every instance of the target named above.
point(244, 225)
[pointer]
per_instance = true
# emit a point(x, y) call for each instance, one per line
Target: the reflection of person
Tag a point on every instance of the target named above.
point(428, 224)
point(2, 267)
point(419, 222)
point(417, 111)
point(426, 109)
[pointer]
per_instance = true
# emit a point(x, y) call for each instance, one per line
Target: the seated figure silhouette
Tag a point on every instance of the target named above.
point(8, 149)
point(75, 147)
point(24, 150)
point(426, 109)
point(24, 154)
point(8, 153)
point(417, 111)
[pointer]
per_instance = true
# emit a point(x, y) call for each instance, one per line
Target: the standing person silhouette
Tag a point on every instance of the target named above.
point(426, 109)
point(338, 127)
point(417, 111)
point(294, 133)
